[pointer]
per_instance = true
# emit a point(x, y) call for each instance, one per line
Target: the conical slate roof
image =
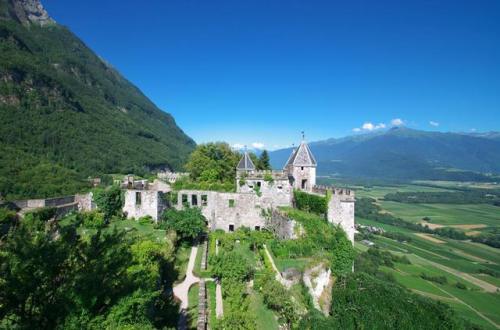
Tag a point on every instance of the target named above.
point(302, 156)
point(245, 163)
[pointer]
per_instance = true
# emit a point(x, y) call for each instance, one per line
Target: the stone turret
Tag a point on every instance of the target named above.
point(301, 168)
point(341, 210)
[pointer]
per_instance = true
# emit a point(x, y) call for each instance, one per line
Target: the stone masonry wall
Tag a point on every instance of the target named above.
point(341, 211)
point(273, 194)
point(151, 204)
point(244, 210)
point(304, 173)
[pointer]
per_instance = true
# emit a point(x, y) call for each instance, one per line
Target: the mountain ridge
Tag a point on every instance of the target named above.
point(404, 153)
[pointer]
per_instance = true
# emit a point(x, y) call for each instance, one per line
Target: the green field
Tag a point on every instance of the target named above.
point(446, 214)
point(378, 192)
point(457, 261)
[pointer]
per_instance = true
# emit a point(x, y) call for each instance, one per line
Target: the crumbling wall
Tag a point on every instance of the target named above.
point(281, 225)
point(85, 202)
point(317, 280)
point(150, 204)
point(225, 210)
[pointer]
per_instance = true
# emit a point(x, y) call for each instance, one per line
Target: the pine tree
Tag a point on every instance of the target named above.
point(263, 163)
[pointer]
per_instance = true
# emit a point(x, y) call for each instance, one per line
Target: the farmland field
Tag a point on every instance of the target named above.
point(446, 214)
point(460, 266)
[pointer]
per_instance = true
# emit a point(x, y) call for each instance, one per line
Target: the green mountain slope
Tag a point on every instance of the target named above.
point(64, 110)
point(405, 154)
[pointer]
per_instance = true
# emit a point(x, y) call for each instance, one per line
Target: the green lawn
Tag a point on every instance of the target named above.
point(193, 306)
point(264, 317)
point(212, 317)
point(142, 229)
point(299, 263)
point(197, 262)
point(244, 248)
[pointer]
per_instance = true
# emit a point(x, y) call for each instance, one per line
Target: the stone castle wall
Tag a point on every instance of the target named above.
point(224, 210)
point(273, 194)
point(152, 203)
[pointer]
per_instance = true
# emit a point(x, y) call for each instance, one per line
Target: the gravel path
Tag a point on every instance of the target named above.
point(181, 290)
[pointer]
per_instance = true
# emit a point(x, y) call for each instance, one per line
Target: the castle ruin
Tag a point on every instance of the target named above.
point(257, 194)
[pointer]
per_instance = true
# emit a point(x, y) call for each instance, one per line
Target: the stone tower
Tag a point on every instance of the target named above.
point(301, 168)
point(341, 210)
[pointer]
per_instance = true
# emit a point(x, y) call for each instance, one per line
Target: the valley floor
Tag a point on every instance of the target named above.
point(470, 271)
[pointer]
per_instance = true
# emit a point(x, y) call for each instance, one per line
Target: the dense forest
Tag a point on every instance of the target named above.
point(81, 273)
point(66, 115)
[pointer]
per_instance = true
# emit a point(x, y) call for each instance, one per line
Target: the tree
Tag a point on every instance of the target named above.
point(263, 163)
point(381, 305)
point(213, 162)
point(109, 201)
point(187, 223)
point(101, 279)
point(7, 219)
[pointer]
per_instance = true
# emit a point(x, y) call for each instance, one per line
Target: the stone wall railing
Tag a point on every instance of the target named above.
point(320, 189)
point(204, 254)
point(48, 202)
point(202, 306)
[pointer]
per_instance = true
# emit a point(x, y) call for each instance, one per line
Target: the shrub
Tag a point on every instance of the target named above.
point(187, 223)
point(310, 203)
point(109, 201)
point(268, 177)
point(7, 219)
point(437, 279)
point(94, 220)
point(146, 220)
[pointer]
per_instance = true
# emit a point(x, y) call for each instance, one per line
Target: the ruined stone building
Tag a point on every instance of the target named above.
point(256, 195)
point(145, 199)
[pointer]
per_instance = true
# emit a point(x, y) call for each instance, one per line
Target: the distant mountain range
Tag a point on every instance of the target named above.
point(402, 153)
point(66, 114)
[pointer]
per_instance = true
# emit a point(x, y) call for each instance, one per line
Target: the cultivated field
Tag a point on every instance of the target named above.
point(463, 274)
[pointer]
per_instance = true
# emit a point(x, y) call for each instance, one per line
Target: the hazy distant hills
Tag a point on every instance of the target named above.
point(66, 114)
point(406, 154)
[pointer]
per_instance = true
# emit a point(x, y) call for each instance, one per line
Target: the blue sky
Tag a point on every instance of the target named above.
point(260, 72)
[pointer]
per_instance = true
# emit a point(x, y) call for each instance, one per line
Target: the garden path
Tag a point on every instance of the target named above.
point(181, 290)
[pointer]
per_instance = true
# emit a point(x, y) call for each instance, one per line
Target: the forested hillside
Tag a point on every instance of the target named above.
point(66, 114)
